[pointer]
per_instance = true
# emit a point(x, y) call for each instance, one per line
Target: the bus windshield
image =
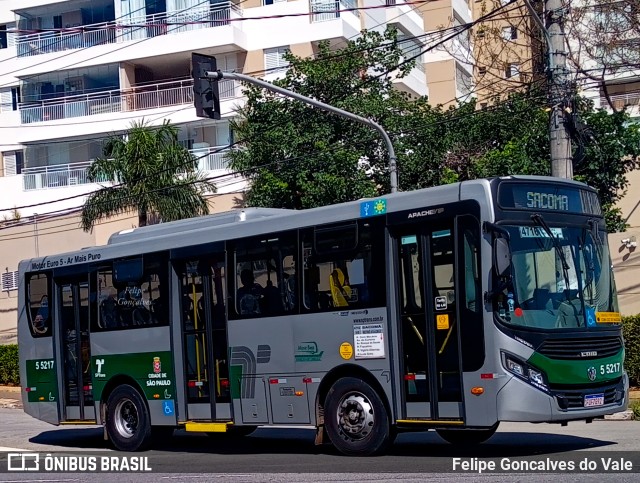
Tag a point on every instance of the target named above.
point(562, 278)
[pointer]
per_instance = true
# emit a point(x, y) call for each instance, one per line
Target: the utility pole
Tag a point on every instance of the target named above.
point(553, 32)
point(561, 162)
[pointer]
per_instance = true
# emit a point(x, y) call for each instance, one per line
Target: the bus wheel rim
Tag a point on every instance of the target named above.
point(126, 418)
point(355, 416)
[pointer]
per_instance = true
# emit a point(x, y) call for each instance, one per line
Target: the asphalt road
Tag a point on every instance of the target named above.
point(290, 455)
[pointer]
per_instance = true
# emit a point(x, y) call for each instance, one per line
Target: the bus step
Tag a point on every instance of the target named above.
point(438, 422)
point(196, 427)
point(80, 421)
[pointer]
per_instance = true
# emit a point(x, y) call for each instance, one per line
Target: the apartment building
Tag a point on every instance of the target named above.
point(74, 72)
point(449, 66)
point(506, 49)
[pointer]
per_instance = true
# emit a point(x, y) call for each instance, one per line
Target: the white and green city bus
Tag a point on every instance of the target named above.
point(450, 308)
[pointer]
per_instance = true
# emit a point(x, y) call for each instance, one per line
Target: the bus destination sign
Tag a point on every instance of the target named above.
point(548, 197)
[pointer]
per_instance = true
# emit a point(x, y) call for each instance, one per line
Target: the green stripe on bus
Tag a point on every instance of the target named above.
point(577, 371)
point(153, 371)
point(42, 382)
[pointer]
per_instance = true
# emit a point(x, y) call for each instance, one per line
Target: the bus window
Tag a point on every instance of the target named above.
point(133, 296)
point(339, 265)
point(265, 276)
point(108, 315)
point(39, 313)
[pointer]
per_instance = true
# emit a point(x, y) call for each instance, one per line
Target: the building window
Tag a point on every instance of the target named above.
point(4, 43)
point(13, 162)
point(9, 281)
point(509, 33)
point(482, 70)
point(6, 102)
point(271, 2)
point(274, 58)
point(512, 71)
point(464, 83)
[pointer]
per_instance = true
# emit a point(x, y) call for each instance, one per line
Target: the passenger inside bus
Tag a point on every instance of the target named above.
point(249, 294)
point(340, 289)
point(109, 310)
point(41, 320)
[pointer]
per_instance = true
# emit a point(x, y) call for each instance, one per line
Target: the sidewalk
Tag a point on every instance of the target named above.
point(10, 397)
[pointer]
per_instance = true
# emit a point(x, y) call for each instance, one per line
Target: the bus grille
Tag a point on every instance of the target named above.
point(574, 399)
point(581, 348)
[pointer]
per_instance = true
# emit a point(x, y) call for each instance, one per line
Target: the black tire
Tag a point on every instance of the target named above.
point(128, 422)
point(356, 419)
point(466, 436)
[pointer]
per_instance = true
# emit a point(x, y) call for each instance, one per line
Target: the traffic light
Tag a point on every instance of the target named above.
point(206, 96)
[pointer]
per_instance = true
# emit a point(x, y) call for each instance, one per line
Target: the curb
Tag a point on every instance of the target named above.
point(10, 404)
point(622, 416)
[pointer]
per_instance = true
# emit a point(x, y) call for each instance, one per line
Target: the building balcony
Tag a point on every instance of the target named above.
point(325, 10)
point(405, 17)
point(620, 101)
point(128, 28)
point(137, 98)
point(73, 174)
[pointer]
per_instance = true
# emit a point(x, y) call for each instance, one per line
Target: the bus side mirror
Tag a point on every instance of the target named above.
point(501, 256)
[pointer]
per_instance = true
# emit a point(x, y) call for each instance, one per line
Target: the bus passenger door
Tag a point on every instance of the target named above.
point(429, 329)
point(77, 396)
point(204, 338)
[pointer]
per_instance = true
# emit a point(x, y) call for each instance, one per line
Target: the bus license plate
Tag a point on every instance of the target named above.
point(593, 400)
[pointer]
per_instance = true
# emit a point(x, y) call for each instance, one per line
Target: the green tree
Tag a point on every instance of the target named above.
point(297, 156)
point(611, 148)
point(512, 138)
point(151, 172)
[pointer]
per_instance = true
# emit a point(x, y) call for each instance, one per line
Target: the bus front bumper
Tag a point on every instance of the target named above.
point(519, 401)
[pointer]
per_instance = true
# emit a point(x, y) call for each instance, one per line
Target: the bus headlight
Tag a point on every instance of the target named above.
point(524, 371)
point(514, 367)
point(536, 377)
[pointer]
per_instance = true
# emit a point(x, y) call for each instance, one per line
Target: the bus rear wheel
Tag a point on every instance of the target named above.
point(466, 436)
point(128, 422)
point(356, 419)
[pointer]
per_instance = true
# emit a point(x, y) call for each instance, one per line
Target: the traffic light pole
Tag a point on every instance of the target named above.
point(217, 75)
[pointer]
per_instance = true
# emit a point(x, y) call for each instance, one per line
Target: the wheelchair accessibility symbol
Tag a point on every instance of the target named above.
point(168, 408)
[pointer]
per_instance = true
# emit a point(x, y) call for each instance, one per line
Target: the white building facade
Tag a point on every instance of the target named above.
point(74, 72)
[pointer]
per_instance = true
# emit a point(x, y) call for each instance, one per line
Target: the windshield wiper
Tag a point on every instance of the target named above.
point(539, 220)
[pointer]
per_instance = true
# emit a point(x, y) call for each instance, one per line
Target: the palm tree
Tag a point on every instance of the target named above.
point(151, 172)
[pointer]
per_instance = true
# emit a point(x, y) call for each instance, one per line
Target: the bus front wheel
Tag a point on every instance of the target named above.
point(128, 422)
point(356, 419)
point(466, 436)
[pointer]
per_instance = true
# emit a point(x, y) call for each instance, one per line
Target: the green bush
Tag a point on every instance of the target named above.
point(9, 372)
point(634, 405)
point(631, 332)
